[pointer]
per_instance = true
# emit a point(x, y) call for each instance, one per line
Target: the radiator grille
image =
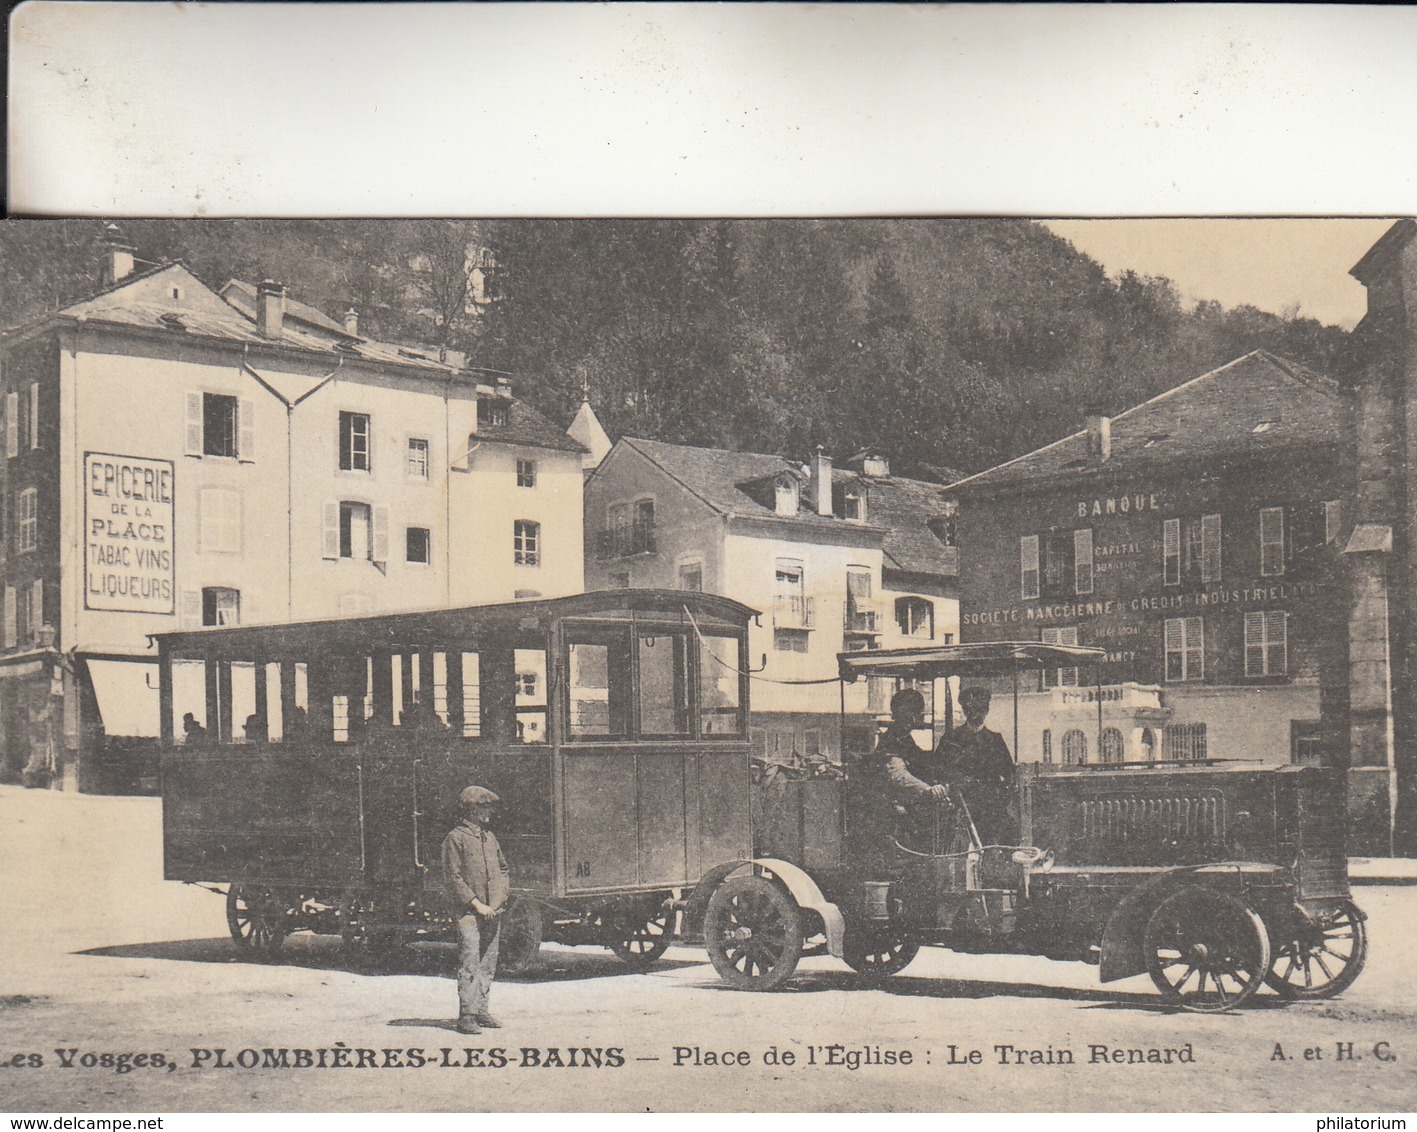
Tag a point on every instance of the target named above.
point(1196, 819)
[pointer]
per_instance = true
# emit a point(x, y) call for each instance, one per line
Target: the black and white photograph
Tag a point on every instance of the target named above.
point(949, 662)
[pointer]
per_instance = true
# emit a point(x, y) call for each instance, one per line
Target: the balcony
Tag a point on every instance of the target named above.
point(625, 541)
point(794, 611)
point(861, 617)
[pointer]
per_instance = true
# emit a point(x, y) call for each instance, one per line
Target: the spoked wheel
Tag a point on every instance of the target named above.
point(256, 918)
point(640, 939)
point(753, 932)
point(1323, 957)
point(1205, 950)
point(519, 946)
point(877, 953)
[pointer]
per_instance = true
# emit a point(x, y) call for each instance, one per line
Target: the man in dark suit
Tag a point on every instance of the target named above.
point(976, 764)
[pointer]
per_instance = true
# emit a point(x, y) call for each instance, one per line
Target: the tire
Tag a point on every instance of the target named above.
point(256, 918)
point(877, 953)
point(519, 947)
point(1212, 936)
point(1337, 944)
point(753, 932)
point(640, 939)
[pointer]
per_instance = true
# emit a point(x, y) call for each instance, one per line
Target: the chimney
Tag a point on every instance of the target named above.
point(270, 309)
point(351, 322)
point(1099, 436)
point(876, 465)
point(822, 482)
point(117, 260)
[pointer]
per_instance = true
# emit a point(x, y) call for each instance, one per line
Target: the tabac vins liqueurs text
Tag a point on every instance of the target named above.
point(129, 534)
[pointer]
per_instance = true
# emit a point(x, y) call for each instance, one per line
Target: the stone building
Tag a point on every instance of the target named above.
point(1196, 538)
point(180, 457)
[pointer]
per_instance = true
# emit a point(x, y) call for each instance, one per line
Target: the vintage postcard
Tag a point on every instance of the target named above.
point(936, 664)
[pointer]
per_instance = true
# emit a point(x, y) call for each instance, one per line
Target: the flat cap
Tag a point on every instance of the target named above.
point(477, 796)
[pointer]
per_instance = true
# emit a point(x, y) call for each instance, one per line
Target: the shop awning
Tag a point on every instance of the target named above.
point(127, 696)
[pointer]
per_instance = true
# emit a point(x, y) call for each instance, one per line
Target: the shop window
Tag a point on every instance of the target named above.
point(221, 606)
point(1267, 643)
point(1185, 649)
point(354, 442)
point(526, 543)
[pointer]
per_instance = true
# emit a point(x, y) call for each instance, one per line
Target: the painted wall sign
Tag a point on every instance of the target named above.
point(128, 546)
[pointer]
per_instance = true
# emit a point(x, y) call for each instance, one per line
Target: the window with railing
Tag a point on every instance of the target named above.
point(627, 531)
point(792, 608)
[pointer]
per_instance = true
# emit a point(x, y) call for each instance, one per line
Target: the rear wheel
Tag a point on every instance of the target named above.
point(1205, 950)
point(638, 938)
point(256, 917)
point(753, 932)
point(1322, 958)
point(520, 936)
point(877, 953)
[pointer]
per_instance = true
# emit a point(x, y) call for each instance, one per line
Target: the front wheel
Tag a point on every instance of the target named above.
point(256, 918)
point(1323, 957)
point(1205, 950)
point(753, 932)
point(878, 953)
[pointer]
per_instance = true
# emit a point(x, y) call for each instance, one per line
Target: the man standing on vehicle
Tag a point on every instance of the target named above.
point(976, 764)
point(478, 877)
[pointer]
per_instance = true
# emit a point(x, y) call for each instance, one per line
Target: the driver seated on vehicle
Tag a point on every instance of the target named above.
point(900, 791)
point(976, 765)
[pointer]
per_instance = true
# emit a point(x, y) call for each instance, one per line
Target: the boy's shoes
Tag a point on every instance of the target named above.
point(488, 1022)
point(468, 1026)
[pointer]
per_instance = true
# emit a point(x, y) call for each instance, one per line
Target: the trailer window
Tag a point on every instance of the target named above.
point(718, 687)
point(664, 683)
point(597, 686)
point(530, 690)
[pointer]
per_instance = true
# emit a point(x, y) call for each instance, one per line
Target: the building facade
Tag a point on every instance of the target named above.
point(835, 558)
point(178, 457)
point(1196, 538)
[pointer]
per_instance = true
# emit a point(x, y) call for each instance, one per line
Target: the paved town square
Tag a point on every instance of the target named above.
point(105, 959)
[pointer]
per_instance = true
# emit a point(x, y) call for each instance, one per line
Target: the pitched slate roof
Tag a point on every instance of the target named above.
point(732, 483)
point(525, 426)
point(1258, 403)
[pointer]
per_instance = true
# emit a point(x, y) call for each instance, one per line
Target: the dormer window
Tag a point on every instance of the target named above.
point(491, 411)
point(853, 504)
point(787, 490)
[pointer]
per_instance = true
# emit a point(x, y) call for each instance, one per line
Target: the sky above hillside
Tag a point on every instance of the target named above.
point(1274, 265)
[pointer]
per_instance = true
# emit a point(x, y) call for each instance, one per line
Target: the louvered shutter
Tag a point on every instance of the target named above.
point(1171, 552)
point(246, 430)
point(191, 615)
point(36, 608)
point(1276, 634)
point(1254, 644)
point(1028, 566)
point(11, 629)
point(194, 424)
point(1271, 541)
point(330, 547)
point(12, 424)
point(381, 534)
point(34, 416)
point(1210, 548)
point(1082, 561)
point(1175, 649)
point(1194, 631)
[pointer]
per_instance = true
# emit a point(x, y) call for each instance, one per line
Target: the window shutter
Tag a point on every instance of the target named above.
point(1276, 633)
point(1194, 631)
point(191, 615)
point(194, 424)
point(381, 534)
point(1171, 552)
point(11, 630)
point(246, 430)
point(1210, 548)
point(1028, 566)
point(12, 424)
point(34, 415)
point(1254, 644)
point(1271, 541)
point(1082, 561)
point(330, 547)
point(36, 608)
